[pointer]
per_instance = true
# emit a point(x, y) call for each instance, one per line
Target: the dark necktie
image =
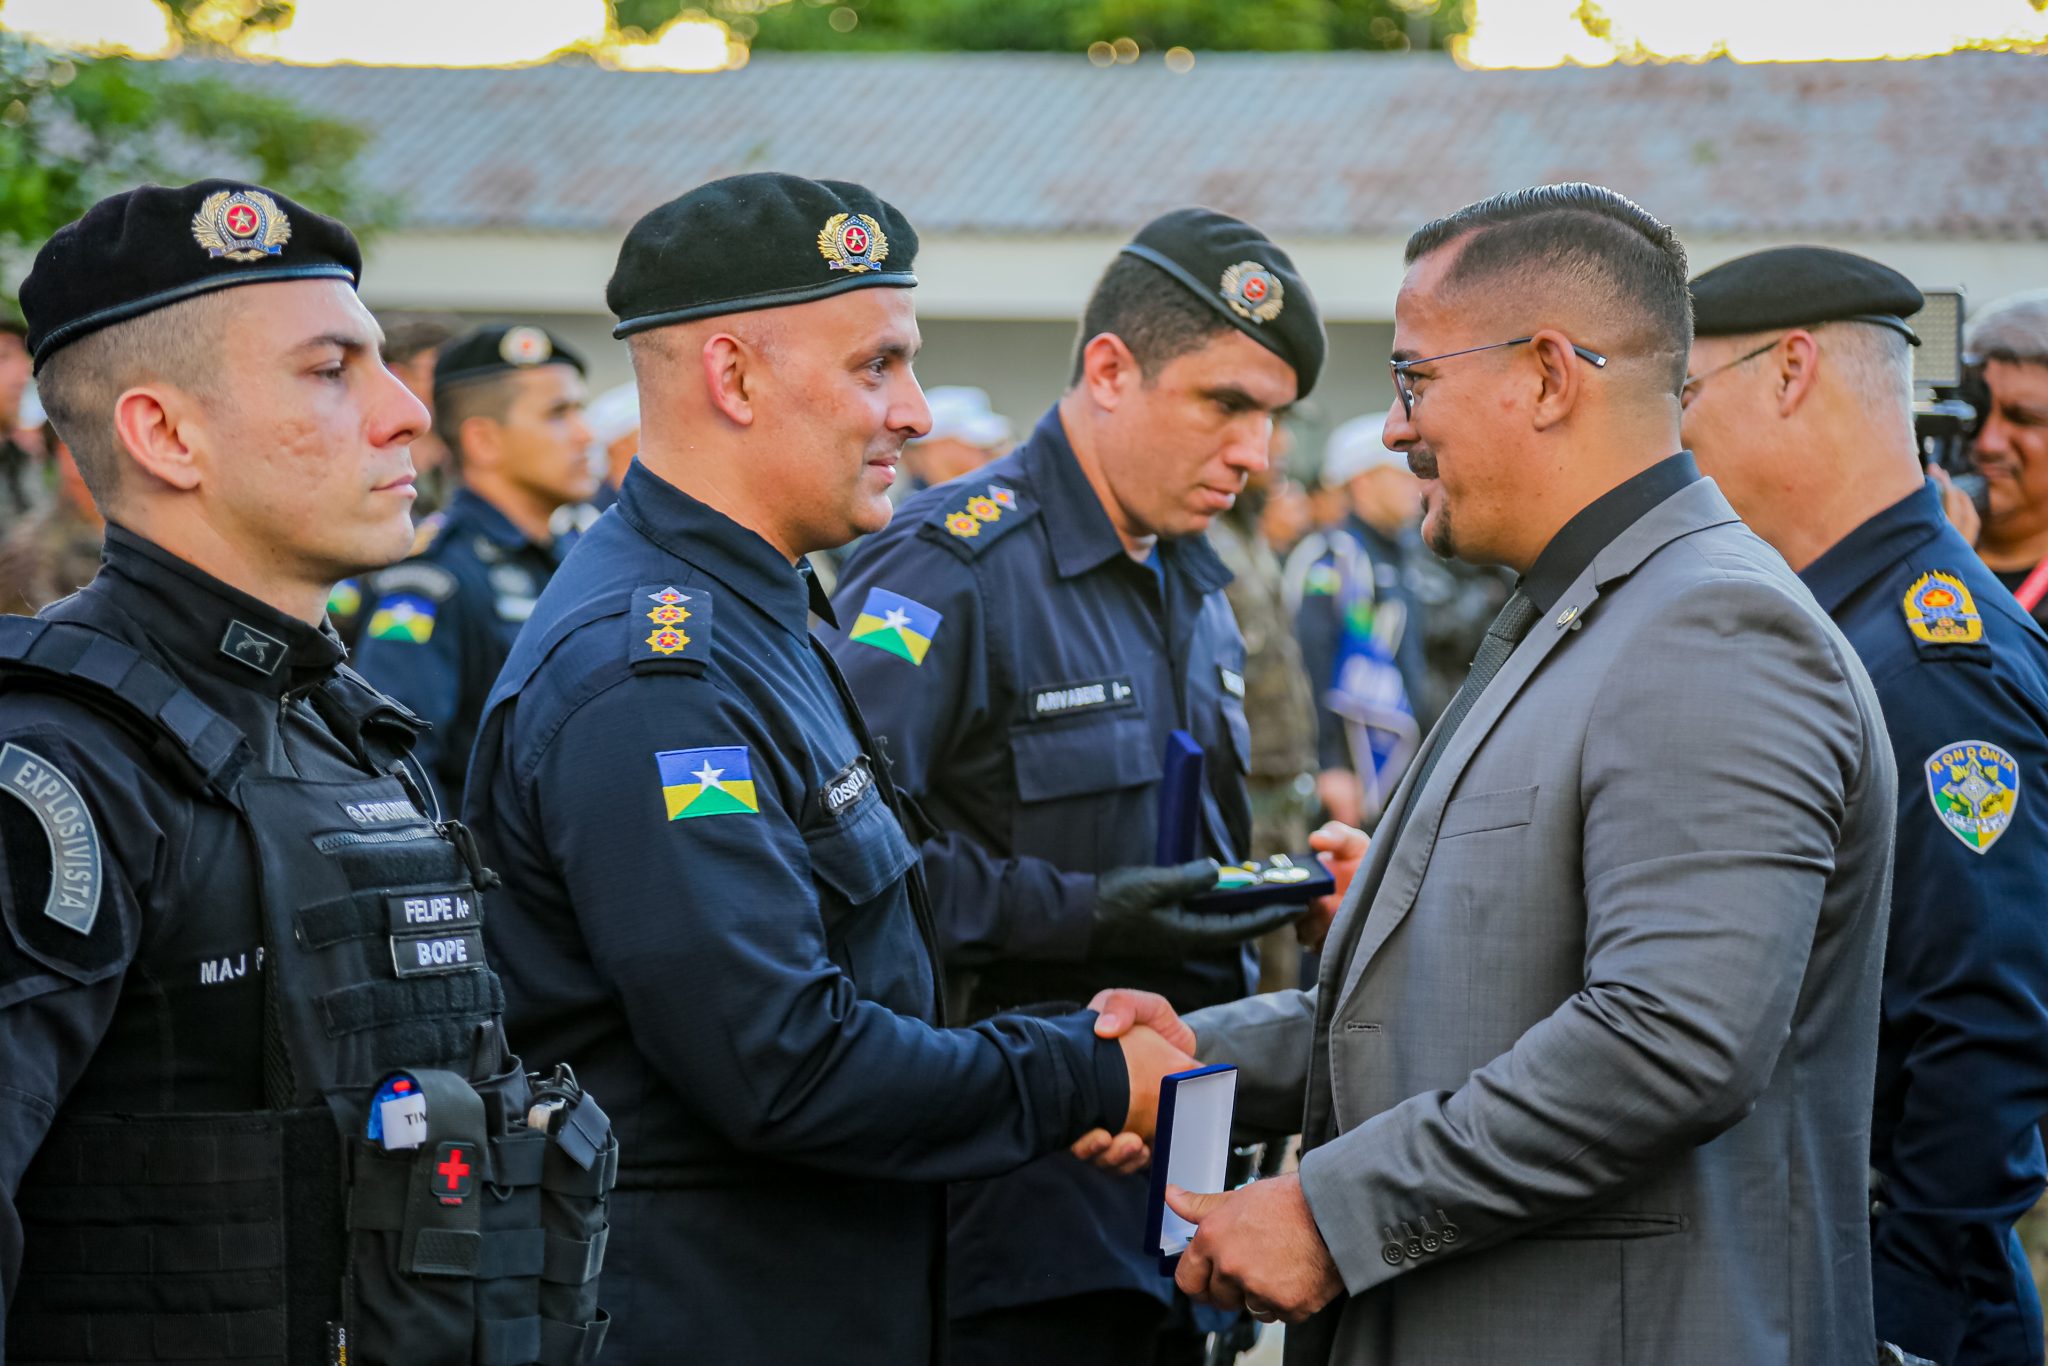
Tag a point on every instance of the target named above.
point(1514, 621)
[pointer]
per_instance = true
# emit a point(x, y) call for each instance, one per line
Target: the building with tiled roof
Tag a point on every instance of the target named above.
point(1023, 172)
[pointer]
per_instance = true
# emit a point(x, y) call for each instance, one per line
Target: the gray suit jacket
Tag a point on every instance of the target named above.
point(1587, 1075)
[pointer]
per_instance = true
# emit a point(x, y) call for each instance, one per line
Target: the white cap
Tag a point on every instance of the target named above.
point(962, 413)
point(32, 414)
point(611, 415)
point(1354, 448)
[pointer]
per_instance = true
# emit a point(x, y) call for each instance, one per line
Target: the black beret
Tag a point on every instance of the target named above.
point(137, 251)
point(1800, 287)
point(1251, 283)
point(757, 241)
point(488, 352)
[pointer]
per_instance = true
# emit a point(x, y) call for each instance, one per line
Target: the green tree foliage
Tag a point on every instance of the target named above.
point(74, 129)
point(1067, 25)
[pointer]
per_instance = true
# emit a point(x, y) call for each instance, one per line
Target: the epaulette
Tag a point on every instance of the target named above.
point(976, 515)
point(1943, 618)
point(668, 629)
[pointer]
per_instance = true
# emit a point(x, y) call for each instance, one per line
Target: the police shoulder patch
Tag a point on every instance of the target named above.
point(418, 578)
point(668, 629)
point(1940, 611)
point(407, 618)
point(896, 625)
point(72, 898)
point(707, 782)
point(977, 514)
point(1975, 788)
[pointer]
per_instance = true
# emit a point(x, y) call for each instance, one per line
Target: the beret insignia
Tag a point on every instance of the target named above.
point(525, 346)
point(853, 242)
point(1253, 292)
point(242, 225)
point(1940, 611)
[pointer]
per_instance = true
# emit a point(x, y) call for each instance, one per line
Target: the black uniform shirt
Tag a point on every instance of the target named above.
point(157, 1006)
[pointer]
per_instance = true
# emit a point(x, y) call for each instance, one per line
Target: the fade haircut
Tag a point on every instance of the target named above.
point(405, 338)
point(2014, 330)
point(1584, 242)
point(178, 344)
point(489, 397)
point(1150, 311)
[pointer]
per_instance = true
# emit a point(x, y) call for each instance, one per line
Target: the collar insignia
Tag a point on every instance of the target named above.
point(853, 242)
point(1940, 611)
point(1253, 292)
point(245, 644)
point(241, 225)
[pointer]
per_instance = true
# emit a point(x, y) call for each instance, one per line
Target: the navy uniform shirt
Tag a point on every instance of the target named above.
point(1962, 673)
point(440, 625)
point(711, 910)
point(140, 989)
point(1023, 673)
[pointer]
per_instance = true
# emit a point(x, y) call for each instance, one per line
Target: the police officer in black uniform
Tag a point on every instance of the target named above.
point(710, 902)
point(1798, 403)
point(1025, 639)
point(255, 1088)
point(509, 403)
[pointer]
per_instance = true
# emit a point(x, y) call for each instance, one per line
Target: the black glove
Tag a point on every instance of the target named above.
point(1138, 913)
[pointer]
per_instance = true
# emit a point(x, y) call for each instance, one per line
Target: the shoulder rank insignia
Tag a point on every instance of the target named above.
point(241, 225)
point(1253, 292)
point(853, 242)
point(707, 782)
point(977, 515)
point(669, 625)
point(889, 621)
point(405, 617)
point(1975, 788)
point(1940, 611)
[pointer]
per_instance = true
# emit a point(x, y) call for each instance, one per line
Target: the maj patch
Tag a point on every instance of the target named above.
point(898, 625)
point(669, 626)
point(1975, 788)
point(1940, 611)
point(74, 896)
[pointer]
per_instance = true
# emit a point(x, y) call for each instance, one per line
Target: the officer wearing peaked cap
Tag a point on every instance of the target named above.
point(228, 930)
point(509, 403)
point(1025, 639)
point(710, 899)
point(1798, 404)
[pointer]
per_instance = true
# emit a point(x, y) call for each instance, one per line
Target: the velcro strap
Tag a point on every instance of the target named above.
point(155, 1250)
point(572, 1261)
point(509, 1342)
point(446, 1252)
point(572, 1344)
point(518, 1159)
point(180, 1150)
point(566, 1178)
point(514, 1252)
point(341, 918)
point(257, 1334)
point(376, 1005)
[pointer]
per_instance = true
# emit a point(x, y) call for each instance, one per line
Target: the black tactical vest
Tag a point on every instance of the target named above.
point(290, 1235)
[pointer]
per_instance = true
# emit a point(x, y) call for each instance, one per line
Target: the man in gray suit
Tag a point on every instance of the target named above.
point(1586, 1077)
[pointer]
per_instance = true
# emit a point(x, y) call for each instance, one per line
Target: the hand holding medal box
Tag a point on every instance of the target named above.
point(1295, 880)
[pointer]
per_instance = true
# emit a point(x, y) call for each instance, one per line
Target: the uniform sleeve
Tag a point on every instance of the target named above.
point(925, 704)
point(76, 838)
point(1965, 998)
point(411, 648)
point(709, 931)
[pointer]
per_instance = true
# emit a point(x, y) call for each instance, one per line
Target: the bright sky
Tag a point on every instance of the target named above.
point(1506, 32)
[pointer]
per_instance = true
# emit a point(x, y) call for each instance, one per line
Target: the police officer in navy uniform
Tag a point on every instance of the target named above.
point(1025, 639)
point(509, 403)
point(710, 902)
point(227, 930)
point(1798, 402)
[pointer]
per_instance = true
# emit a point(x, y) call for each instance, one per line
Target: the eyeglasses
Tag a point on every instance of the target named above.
point(1402, 367)
point(1690, 390)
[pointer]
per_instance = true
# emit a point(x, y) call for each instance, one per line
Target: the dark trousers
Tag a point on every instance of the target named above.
point(1106, 1328)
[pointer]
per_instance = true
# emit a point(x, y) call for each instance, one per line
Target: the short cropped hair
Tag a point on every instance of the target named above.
point(1584, 240)
point(2013, 329)
point(178, 344)
point(1149, 311)
point(490, 397)
point(405, 338)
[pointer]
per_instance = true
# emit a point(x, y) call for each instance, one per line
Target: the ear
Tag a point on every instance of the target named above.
point(1560, 376)
point(1798, 370)
point(479, 442)
point(154, 426)
point(728, 377)
point(1109, 370)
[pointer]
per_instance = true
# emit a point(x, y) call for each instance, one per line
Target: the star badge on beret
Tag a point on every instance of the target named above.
point(1253, 292)
point(853, 242)
point(525, 346)
point(242, 225)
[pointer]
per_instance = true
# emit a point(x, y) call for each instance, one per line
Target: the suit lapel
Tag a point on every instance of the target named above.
point(1387, 886)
